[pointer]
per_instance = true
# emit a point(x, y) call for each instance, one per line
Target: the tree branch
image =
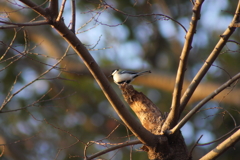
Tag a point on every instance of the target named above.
point(73, 4)
point(211, 58)
point(113, 148)
point(38, 9)
point(17, 25)
point(173, 116)
point(143, 135)
point(53, 7)
point(204, 101)
point(61, 10)
point(221, 148)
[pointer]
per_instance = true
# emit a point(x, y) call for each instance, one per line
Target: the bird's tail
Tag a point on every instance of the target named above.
point(143, 72)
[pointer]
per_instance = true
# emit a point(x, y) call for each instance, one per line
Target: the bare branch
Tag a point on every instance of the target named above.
point(221, 138)
point(17, 25)
point(10, 45)
point(204, 101)
point(61, 10)
point(9, 98)
point(236, 25)
point(113, 148)
point(73, 4)
point(145, 15)
point(173, 116)
point(221, 148)
point(53, 7)
point(190, 153)
point(35, 7)
point(144, 136)
point(216, 51)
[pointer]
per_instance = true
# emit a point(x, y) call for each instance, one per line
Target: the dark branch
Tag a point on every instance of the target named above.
point(73, 4)
point(17, 25)
point(38, 9)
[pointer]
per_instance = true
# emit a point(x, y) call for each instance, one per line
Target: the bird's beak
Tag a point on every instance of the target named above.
point(109, 76)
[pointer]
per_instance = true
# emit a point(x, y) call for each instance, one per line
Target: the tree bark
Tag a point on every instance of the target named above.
point(166, 147)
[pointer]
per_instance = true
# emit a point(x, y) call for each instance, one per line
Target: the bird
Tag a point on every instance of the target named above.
point(124, 76)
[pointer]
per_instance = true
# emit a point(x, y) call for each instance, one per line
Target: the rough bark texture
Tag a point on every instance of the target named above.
point(166, 148)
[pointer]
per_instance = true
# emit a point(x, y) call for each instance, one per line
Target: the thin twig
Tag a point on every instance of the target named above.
point(11, 43)
point(145, 15)
point(190, 153)
point(221, 138)
point(221, 148)
point(9, 98)
point(113, 148)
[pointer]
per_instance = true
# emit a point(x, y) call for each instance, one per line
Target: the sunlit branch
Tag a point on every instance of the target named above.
point(173, 116)
point(113, 148)
point(211, 58)
point(12, 62)
point(145, 136)
point(10, 45)
point(204, 101)
point(221, 148)
point(236, 25)
point(9, 95)
point(221, 138)
point(61, 10)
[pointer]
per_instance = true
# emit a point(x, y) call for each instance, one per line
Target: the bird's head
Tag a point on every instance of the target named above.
point(113, 72)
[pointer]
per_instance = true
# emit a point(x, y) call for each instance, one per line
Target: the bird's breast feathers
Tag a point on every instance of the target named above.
point(122, 77)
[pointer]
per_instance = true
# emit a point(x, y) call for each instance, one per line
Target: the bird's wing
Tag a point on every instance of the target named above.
point(129, 72)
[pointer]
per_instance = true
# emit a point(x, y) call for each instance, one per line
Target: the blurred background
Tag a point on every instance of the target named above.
point(55, 115)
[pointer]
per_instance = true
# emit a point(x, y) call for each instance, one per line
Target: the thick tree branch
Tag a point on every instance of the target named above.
point(204, 101)
point(144, 136)
point(38, 9)
point(53, 7)
point(174, 113)
point(216, 51)
point(221, 148)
